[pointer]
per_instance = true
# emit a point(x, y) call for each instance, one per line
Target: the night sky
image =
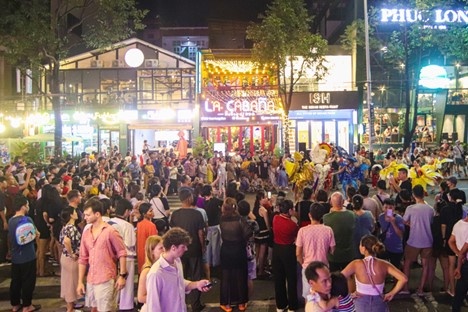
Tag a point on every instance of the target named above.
point(196, 12)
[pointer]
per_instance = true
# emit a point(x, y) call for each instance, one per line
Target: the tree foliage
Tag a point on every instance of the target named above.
point(408, 46)
point(39, 34)
point(283, 38)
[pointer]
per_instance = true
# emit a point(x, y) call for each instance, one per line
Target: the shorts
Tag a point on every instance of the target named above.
point(252, 269)
point(412, 253)
point(262, 237)
point(102, 296)
point(460, 161)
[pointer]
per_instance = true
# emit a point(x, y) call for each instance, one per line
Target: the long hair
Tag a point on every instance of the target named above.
point(229, 207)
point(151, 243)
point(260, 195)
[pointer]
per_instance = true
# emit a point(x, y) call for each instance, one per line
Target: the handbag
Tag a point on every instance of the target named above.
point(383, 235)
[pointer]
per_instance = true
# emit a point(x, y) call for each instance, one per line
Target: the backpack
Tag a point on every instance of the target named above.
point(25, 231)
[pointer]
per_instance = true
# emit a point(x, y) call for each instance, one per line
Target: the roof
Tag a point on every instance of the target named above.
point(132, 41)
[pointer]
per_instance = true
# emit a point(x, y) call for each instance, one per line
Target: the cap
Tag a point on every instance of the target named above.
point(457, 141)
point(66, 178)
point(134, 158)
point(452, 180)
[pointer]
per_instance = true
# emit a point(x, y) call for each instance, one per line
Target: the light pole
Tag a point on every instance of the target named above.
point(370, 106)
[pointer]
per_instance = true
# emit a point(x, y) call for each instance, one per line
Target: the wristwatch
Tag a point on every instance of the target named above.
point(124, 275)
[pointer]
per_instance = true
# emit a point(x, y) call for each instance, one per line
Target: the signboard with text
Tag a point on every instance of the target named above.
point(325, 100)
point(240, 109)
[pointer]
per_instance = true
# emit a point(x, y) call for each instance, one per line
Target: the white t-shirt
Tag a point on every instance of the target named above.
point(127, 231)
point(460, 231)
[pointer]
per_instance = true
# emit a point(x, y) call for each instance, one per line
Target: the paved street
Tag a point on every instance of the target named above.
point(48, 290)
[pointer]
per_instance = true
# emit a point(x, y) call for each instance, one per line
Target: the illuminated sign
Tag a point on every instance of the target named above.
point(325, 100)
point(240, 109)
point(433, 77)
point(413, 15)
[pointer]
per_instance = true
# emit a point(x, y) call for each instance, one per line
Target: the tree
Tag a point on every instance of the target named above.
point(283, 38)
point(39, 34)
point(409, 46)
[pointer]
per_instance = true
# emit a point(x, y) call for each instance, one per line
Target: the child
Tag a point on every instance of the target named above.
point(340, 290)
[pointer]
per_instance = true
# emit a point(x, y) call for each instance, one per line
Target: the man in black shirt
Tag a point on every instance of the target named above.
point(191, 220)
point(452, 184)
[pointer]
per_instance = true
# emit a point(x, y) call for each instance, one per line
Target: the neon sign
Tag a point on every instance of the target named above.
point(240, 109)
point(260, 105)
point(413, 15)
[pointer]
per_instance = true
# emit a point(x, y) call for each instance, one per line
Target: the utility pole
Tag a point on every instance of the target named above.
point(370, 105)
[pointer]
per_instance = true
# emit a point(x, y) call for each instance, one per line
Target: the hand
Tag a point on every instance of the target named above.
point(80, 289)
point(388, 297)
point(457, 273)
point(29, 171)
point(201, 285)
point(120, 283)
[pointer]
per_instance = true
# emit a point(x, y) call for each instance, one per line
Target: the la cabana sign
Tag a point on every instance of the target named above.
point(429, 16)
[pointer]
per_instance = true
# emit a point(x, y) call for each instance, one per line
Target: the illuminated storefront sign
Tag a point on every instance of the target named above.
point(433, 77)
point(412, 15)
point(256, 109)
point(169, 115)
point(325, 100)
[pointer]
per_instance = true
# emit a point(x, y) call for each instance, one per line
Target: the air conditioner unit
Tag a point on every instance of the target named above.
point(118, 63)
point(149, 63)
point(97, 63)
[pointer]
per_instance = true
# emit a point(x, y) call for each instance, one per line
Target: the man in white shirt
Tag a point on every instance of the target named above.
point(458, 242)
point(126, 230)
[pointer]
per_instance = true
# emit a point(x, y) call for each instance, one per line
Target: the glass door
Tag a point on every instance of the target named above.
point(316, 132)
point(343, 134)
point(330, 131)
point(303, 133)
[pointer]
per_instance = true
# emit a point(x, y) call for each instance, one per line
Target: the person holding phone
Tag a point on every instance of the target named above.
point(392, 229)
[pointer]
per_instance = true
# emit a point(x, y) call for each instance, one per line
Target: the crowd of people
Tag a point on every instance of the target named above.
point(105, 218)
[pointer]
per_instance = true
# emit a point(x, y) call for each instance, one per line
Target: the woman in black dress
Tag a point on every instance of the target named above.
point(234, 233)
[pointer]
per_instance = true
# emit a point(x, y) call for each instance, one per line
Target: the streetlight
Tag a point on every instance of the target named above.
point(370, 107)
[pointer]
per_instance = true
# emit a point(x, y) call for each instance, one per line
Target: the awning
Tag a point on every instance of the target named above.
point(148, 126)
point(48, 137)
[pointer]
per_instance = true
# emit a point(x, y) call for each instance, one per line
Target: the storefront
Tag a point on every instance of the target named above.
point(160, 129)
point(238, 100)
point(317, 117)
point(249, 123)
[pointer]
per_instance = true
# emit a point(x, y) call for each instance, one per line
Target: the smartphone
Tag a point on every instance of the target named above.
point(210, 284)
point(269, 195)
point(389, 212)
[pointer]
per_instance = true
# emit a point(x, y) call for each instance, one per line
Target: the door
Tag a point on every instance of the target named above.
point(303, 133)
point(343, 134)
point(316, 130)
point(330, 131)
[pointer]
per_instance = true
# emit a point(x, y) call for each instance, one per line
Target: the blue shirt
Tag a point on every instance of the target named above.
point(393, 243)
point(24, 253)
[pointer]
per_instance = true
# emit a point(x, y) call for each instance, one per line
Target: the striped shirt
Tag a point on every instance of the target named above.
point(346, 304)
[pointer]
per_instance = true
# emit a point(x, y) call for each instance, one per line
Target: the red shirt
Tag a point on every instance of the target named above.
point(284, 230)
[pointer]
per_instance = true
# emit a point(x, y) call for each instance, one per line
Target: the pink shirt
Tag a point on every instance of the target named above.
point(101, 253)
point(316, 241)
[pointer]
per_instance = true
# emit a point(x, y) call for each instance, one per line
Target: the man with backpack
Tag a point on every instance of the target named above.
point(22, 234)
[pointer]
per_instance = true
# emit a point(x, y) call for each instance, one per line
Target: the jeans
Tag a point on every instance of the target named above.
point(460, 289)
point(370, 304)
point(23, 282)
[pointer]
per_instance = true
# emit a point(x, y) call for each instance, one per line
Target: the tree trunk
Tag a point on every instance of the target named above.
point(56, 105)
point(286, 132)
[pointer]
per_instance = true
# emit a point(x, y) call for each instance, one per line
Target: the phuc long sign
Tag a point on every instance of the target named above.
point(438, 16)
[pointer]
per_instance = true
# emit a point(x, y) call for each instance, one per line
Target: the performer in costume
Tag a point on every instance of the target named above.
point(182, 145)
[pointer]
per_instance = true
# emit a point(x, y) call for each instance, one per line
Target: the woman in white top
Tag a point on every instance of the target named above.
point(370, 274)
